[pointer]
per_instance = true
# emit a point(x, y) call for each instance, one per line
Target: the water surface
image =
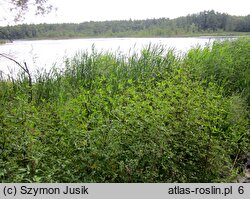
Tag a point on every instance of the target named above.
point(43, 54)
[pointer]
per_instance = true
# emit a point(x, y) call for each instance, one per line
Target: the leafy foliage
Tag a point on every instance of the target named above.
point(21, 7)
point(226, 64)
point(149, 117)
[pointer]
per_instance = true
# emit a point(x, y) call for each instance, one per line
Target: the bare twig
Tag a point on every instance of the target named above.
point(25, 69)
point(235, 160)
point(11, 59)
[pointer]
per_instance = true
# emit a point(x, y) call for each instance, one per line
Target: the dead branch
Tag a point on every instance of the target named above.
point(25, 69)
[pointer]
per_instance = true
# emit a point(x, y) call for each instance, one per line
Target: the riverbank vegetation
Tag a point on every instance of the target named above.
point(203, 23)
point(149, 117)
point(2, 41)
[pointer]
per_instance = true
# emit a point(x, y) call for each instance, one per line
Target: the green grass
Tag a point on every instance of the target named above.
point(150, 117)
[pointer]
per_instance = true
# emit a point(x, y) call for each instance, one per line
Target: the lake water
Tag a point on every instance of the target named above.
point(43, 54)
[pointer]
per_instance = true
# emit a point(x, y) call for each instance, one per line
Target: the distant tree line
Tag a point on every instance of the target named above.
point(203, 22)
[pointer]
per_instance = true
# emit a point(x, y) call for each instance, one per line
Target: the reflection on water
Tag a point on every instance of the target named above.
point(43, 54)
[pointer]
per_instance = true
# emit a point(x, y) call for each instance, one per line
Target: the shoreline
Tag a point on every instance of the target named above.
point(2, 42)
point(205, 36)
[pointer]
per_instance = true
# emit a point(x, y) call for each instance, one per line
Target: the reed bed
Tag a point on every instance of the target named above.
point(149, 117)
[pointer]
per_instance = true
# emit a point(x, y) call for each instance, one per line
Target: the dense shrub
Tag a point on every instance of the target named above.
point(226, 64)
point(150, 117)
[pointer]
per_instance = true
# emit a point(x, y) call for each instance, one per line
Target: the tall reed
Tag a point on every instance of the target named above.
point(149, 117)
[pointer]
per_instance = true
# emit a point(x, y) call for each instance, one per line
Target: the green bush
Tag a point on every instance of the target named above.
point(226, 64)
point(152, 117)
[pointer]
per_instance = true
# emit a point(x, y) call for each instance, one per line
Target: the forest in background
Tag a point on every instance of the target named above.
point(206, 22)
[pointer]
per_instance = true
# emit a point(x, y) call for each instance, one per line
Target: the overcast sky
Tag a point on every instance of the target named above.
point(100, 10)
